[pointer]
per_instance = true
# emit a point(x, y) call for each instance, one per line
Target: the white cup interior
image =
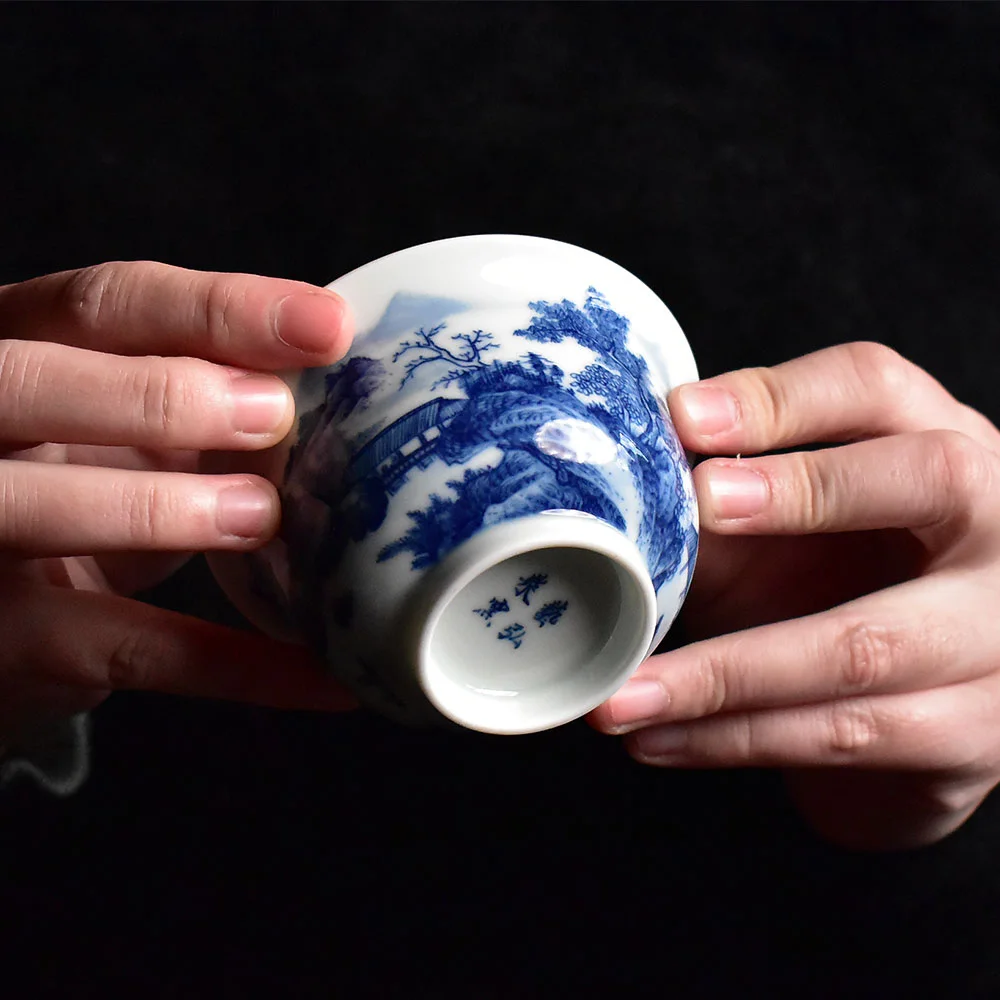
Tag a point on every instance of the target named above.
point(535, 638)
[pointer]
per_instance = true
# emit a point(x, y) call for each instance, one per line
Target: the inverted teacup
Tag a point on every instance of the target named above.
point(487, 515)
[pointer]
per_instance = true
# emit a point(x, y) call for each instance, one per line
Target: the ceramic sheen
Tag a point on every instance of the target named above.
point(493, 381)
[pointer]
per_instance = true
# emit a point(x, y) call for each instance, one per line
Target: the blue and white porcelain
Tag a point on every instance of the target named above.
point(487, 515)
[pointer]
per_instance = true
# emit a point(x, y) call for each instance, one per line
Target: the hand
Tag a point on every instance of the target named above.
point(112, 379)
point(845, 599)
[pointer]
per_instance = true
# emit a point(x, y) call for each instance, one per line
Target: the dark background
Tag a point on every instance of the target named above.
point(786, 177)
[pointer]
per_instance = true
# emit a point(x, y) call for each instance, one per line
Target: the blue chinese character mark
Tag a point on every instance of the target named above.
point(550, 613)
point(527, 585)
point(514, 634)
point(496, 607)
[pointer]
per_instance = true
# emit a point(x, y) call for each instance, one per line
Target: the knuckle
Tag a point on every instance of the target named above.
point(814, 490)
point(940, 745)
point(147, 512)
point(961, 466)
point(852, 729)
point(888, 382)
point(768, 397)
point(8, 364)
point(871, 653)
point(11, 370)
point(713, 687)
point(978, 426)
point(947, 798)
point(18, 506)
point(91, 293)
point(20, 373)
point(955, 749)
point(127, 666)
point(742, 748)
point(884, 372)
point(219, 307)
point(163, 397)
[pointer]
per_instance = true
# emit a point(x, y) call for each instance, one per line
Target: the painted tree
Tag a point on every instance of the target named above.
point(506, 400)
point(427, 348)
point(616, 392)
point(595, 325)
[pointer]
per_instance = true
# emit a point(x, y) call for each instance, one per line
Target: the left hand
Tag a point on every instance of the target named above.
point(846, 599)
point(114, 379)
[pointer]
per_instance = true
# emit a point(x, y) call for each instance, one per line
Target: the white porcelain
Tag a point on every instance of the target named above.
point(487, 515)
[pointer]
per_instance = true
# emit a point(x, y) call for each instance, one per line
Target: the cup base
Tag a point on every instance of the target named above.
point(533, 623)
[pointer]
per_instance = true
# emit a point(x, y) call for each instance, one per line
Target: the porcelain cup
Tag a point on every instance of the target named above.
point(487, 515)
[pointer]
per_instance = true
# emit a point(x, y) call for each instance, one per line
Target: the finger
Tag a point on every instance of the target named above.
point(49, 392)
point(842, 393)
point(937, 483)
point(142, 307)
point(110, 643)
point(64, 510)
point(928, 730)
point(885, 810)
point(898, 640)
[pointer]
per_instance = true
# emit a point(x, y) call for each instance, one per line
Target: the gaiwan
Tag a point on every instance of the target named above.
point(487, 515)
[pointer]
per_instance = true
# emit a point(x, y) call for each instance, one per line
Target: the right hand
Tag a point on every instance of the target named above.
point(845, 597)
point(112, 380)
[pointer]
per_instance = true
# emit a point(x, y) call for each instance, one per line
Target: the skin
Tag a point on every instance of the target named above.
point(112, 380)
point(844, 601)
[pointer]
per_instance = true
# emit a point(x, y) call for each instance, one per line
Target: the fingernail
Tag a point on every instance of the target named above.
point(711, 409)
point(309, 321)
point(661, 741)
point(258, 403)
point(735, 492)
point(637, 701)
point(244, 511)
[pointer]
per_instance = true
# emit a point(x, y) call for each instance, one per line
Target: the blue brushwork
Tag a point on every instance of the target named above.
point(513, 634)
point(462, 353)
point(338, 491)
point(506, 405)
point(496, 607)
point(549, 614)
point(527, 585)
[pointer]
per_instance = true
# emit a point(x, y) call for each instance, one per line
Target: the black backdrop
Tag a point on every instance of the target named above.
point(787, 177)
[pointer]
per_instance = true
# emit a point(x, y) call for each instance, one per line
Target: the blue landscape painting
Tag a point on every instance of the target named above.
point(338, 492)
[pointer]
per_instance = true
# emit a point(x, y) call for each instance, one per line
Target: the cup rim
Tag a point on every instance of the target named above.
point(671, 361)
